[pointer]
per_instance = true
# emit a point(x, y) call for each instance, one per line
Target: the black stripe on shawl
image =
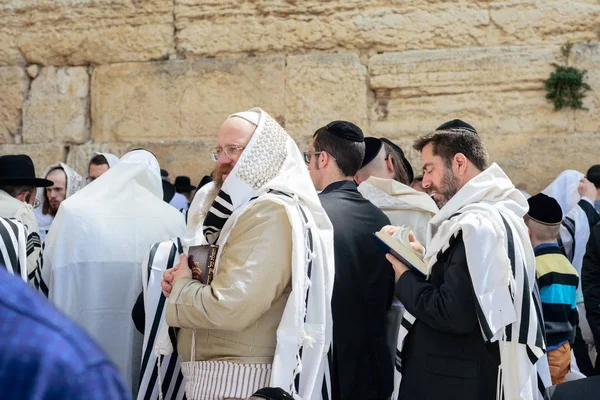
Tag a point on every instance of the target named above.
point(512, 258)
point(406, 324)
point(43, 286)
point(225, 197)
point(569, 223)
point(541, 386)
point(33, 241)
point(221, 208)
point(169, 374)
point(153, 250)
point(178, 384)
point(156, 322)
point(537, 302)
point(10, 246)
point(152, 381)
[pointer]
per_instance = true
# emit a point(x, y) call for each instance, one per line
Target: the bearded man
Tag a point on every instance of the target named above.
point(263, 317)
point(66, 182)
point(473, 328)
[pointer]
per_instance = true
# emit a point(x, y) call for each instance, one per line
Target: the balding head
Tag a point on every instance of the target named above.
point(232, 139)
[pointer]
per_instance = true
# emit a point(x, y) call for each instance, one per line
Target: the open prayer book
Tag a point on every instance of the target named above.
point(399, 246)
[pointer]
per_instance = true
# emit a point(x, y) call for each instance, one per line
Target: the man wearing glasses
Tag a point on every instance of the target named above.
point(363, 286)
point(17, 200)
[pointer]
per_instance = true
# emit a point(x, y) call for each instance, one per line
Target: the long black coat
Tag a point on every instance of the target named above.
point(444, 354)
point(590, 282)
point(362, 293)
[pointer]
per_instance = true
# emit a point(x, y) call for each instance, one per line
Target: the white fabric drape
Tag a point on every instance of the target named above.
point(94, 251)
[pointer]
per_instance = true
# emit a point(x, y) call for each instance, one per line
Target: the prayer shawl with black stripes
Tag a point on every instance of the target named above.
point(13, 247)
point(271, 168)
point(489, 212)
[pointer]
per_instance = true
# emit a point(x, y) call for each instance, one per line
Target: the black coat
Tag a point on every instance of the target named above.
point(590, 283)
point(444, 354)
point(362, 293)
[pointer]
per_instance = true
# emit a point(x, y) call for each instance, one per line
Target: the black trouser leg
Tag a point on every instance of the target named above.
point(582, 355)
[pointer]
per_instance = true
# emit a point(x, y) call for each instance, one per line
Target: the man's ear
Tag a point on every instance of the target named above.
point(389, 163)
point(461, 163)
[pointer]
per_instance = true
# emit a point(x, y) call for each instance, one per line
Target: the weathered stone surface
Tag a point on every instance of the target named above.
point(223, 28)
point(532, 162)
point(78, 32)
point(323, 88)
point(182, 100)
point(498, 90)
point(587, 57)
point(79, 156)
point(57, 108)
point(13, 90)
point(43, 155)
point(33, 70)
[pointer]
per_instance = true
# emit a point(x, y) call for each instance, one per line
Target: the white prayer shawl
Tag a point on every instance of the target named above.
point(402, 204)
point(95, 248)
point(74, 183)
point(489, 212)
point(13, 247)
point(575, 229)
point(271, 168)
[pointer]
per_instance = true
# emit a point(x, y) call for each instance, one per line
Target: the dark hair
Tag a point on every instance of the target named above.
point(348, 154)
point(98, 159)
point(14, 190)
point(448, 143)
point(400, 173)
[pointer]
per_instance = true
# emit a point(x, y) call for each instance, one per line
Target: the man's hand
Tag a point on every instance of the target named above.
point(415, 244)
point(172, 274)
point(587, 189)
point(399, 267)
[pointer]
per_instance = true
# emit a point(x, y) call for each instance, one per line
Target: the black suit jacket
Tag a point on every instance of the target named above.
point(362, 293)
point(444, 355)
point(590, 281)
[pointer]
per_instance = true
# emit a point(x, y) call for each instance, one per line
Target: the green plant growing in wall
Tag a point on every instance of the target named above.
point(566, 86)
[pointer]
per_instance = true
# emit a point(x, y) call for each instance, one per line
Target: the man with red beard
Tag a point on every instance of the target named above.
point(249, 320)
point(472, 327)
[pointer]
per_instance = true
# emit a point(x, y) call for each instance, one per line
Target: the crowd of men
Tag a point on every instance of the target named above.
point(286, 294)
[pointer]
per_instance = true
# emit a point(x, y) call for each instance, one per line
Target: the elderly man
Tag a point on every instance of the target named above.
point(362, 294)
point(17, 195)
point(473, 328)
point(94, 252)
point(255, 322)
point(66, 182)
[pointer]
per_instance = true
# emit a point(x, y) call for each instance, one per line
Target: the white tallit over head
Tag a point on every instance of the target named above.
point(271, 168)
point(94, 251)
point(110, 158)
point(489, 211)
point(564, 190)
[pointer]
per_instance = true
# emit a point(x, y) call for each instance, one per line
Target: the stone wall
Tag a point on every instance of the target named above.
point(78, 76)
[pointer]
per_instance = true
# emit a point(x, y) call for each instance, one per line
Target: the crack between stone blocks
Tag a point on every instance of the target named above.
point(90, 70)
point(175, 31)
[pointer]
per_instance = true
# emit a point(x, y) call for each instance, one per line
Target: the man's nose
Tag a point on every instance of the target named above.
point(426, 183)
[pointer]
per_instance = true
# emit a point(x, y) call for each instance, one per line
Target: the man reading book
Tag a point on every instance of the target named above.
point(476, 311)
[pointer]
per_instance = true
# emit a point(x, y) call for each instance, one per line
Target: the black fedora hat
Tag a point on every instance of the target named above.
point(18, 169)
point(184, 184)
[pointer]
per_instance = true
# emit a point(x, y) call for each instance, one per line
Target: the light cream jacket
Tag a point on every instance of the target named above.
point(237, 315)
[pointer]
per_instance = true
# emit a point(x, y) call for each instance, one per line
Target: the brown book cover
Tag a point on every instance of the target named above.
point(201, 260)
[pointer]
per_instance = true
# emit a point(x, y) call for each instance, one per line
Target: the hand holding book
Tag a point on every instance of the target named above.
point(402, 249)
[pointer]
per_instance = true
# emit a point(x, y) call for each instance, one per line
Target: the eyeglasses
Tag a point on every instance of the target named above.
point(309, 154)
point(36, 203)
point(230, 151)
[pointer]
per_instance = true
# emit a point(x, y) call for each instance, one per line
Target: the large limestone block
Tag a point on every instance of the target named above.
point(498, 90)
point(57, 109)
point(14, 84)
point(222, 28)
point(587, 57)
point(80, 155)
point(78, 32)
point(181, 100)
point(323, 88)
point(532, 162)
point(43, 155)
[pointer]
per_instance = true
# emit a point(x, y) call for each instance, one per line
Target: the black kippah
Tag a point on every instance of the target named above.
point(456, 124)
point(372, 148)
point(272, 393)
point(345, 130)
point(544, 209)
point(407, 166)
point(593, 175)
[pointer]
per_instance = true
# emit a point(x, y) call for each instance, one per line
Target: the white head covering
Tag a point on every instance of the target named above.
point(110, 158)
point(564, 189)
point(74, 181)
point(95, 249)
